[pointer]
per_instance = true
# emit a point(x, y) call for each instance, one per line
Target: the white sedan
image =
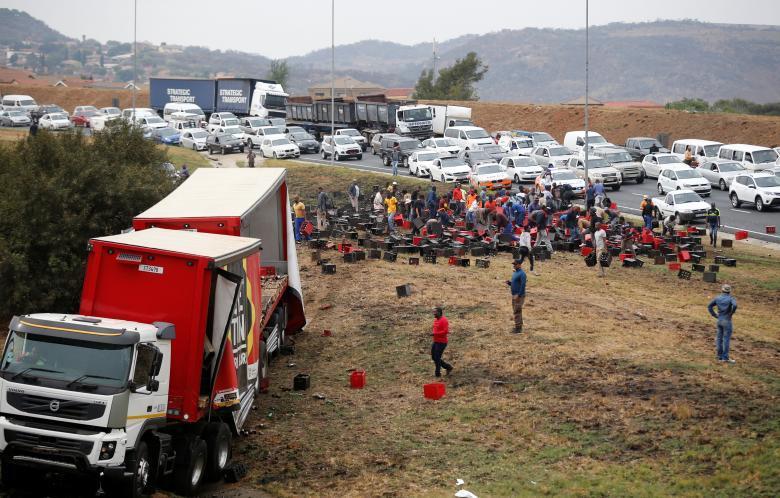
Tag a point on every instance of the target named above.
point(521, 168)
point(194, 138)
point(683, 177)
point(55, 121)
point(420, 162)
point(279, 147)
point(489, 175)
point(721, 172)
point(442, 146)
point(653, 164)
point(556, 156)
point(449, 169)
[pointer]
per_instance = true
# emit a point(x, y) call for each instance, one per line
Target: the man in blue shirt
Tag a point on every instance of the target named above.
point(517, 284)
point(598, 192)
point(727, 306)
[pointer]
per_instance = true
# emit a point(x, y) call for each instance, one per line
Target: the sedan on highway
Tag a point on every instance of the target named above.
point(223, 143)
point(376, 141)
point(194, 139)
point(489, 175)
point(476, 157)
point(166, 136)
point(761, 189)
point(653, 164)
point(683, 177)
point(80, 118)
point(420, 162)
point(449, 169)
point(521, 168)
point(721, 172)
point(279, 147)
point(598, 170)
point(54, 121)
point(14, 118)
point(305, 142)
point(555, 156)
point(341, 147)
point(442, 146)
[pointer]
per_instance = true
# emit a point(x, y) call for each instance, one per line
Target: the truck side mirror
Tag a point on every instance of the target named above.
point(156, 364)
point(153, 385)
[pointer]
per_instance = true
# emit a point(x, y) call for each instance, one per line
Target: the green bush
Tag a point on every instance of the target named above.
point(56, 192)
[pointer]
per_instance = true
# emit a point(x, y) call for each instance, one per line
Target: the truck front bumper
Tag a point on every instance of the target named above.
point(23, 442)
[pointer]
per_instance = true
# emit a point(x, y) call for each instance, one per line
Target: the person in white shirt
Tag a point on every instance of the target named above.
point(600, 243)
point(379, 203)
point(524, 244)
point(354, 195)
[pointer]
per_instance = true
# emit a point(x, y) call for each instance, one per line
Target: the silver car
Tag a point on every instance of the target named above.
point(720, 172)
point(194, 138)
point(14, 118)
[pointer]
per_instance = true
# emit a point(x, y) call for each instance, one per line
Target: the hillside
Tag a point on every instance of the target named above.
point(19, 26)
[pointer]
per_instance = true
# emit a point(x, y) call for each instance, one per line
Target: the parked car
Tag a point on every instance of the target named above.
point(173, 109)
point(489, 175)
point(621, 160)
point(752, 157)
point(166, 136)
point(555, 156)
point(23, 103)
point(223, 119)
point(85, 108)
point(194, 138)
point(54, 121)
point(721, 172)
point(775, 170)
point(475, 157)
point(539, 138)
point(376, 141)
point(407, 146)
point(341, 147)
point(420, 162)
point(521, 168)
point(14, 118)
point(82, 117)
point(279, 147)
point(294, 129)
point(149, 123)
point(494, 151)
point(261, 133)
point(131, 115)
point(356, 136)
point(760, 189)
point(251, 124)
point(468, 137)
point(677, 177)
point(223, 143)
point(516, 146)
point(700, 149)
point(598, 169)
point(46, 109)
point(639, 147)
point(235, 131)
point(684, 204)
point(105, 114)
point(653, 164)
point(575, 140)
point(442, 146)
point(449, 169)
point(563, 177)
point(305, 142)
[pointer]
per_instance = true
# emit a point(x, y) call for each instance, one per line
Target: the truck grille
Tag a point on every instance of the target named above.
point(83, 447)
point(42, 405)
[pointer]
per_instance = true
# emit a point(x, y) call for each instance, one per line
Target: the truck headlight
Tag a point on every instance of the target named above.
point(107, 450)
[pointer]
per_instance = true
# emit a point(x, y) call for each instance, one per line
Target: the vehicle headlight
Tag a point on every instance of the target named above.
point(107, 450)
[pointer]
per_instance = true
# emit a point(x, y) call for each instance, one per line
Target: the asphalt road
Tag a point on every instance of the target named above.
point(628, 198)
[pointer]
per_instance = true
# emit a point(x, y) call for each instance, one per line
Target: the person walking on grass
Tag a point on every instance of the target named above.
point(250, 158)
point(600, 243)
point(713, 221)
point(354, 195)
point(727, 306)
point(441, 329)
point(517, 286)
point(322, 209)
point(300, 216)
point(379, 202)
point(647, 208)
point(392, 207)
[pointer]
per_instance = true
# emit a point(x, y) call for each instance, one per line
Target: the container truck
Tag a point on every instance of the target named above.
point(445, 116)
point(159, 370)
point(200, 92)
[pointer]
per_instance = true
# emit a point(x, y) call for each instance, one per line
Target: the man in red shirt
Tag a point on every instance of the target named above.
point(441, 328)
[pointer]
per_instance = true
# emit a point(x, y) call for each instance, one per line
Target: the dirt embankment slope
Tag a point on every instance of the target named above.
point(618, 124)
point(69, 98)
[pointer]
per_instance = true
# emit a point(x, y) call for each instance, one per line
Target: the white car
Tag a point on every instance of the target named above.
point(420, 162)
point(685, 205)
point(356, 136)
point(683, 177)
point(449, 169)
point(575, 140)
point(279, 147)
point(261, 133)
point(760, 189)
point(131, 114)
point(235, 131)
point(489, 175)
point(598, 169)
point(516, 146)
point(85, 108)
point(521, 168)
point(468, 137)
point(55, 121)
point(621, 160)
point(105, 115)
point(539, 138)
point(442, 146)
point(720, 172)
point(340, 147)
point(653, 164)
point(555, 156)
point(752, 157)
point(148, 123)
point(563, 177)
point(194, 138)
point(223, 119)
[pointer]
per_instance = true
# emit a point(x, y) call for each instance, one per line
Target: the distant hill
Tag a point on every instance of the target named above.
point(18, 26)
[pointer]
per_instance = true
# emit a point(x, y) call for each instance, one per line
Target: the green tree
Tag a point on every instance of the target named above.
point(279, 72)
point(688, 104)
point(455, 82)
point(57, 192)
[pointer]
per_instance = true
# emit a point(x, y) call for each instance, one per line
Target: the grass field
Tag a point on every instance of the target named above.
point(613, 391)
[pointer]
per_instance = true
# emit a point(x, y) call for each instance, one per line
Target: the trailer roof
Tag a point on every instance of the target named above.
point(211, 193)
point(221, 248)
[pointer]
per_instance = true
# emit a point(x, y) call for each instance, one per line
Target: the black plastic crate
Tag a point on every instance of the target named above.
point(390, 256)
point(482, 263)
point(684, 274)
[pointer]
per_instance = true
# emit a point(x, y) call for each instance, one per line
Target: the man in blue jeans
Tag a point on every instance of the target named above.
point(727, 306)
point(517, 284)
point(395, 156)
point(713, 220)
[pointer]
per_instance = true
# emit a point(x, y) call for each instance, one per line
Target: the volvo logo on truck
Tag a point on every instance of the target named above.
point(54, 405)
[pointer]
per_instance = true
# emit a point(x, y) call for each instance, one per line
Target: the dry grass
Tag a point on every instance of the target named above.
point(613, 391)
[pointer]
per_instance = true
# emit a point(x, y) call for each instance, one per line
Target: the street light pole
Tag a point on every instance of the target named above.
point(135, 51)
point(586, 93)
point(333, 81)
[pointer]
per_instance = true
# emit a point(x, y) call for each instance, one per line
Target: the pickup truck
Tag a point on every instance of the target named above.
point(685, 205)
point(621, 160)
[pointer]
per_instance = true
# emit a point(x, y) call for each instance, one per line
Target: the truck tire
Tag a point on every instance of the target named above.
point(139, 485)
point(191, 453)
point(219, 443)
point(263, 369)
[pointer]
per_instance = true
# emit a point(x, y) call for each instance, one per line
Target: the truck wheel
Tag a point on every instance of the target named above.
point(735, 200)
point(138, 486)
point(191, 455)
point(262, 374)
point(218, 441)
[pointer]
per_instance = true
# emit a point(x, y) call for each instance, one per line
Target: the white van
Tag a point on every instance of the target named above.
point(575, 140)
point(468, 137)
point(701, 149)
point(172, 107)
point(23, 103)
point(752, 157)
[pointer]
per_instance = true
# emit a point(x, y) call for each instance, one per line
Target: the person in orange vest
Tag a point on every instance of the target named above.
point(457, 197)
point(441, 329)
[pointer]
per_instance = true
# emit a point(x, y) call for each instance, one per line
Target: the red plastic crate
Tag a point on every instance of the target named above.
point(357, 379)
point(307, 227)
point(460, 224)
point(407, 225)
point(674, 266)
point(344, 247)
point(585, 250)
point(416, 241)
point(624, 255)
point(453, 260)
point(613, 205)
point(435, 390)
point(682, 233)
point(267, 271)
point(741, 235)
point(684, 256)
point(771, 229)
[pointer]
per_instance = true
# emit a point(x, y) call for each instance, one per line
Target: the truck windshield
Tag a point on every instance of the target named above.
point(275, 101)
point(422, 114)
point(32, 356)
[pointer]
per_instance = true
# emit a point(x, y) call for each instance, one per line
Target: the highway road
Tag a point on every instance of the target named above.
point(628, 198)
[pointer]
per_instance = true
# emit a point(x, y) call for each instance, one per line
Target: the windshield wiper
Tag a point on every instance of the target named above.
point(78, 380)
point(33, 368)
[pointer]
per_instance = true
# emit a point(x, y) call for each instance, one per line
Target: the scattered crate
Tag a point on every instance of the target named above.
point(714, 268)
point(740, 235)
point(684, 274)
point(415, 261)
point(482, 263)
point(374, 254)
point(434, 390)
point(726, 243)
point(710, 277)
point(698, 268)
point(389, 256)
point(328, 268)
point(301, 382)
point(430, 258)
point(404, 290)
point(771, 229)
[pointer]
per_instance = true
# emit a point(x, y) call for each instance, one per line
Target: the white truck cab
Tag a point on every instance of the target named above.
point(414, 121)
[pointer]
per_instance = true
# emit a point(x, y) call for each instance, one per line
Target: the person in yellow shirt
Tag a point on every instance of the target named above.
point(392, 206)
point(300, 216)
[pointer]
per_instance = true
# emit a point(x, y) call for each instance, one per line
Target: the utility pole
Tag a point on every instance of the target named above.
point(333, 81)
point(586, 94)
point(434, 58)
point(135, 52)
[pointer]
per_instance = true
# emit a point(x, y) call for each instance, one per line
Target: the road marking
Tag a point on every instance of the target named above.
point(636, 193)
point(740, 211)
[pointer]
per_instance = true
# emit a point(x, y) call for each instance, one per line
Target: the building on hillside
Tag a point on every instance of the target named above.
point(345, 87)
point(399, 93)
point(635, 104)
point(581, 101)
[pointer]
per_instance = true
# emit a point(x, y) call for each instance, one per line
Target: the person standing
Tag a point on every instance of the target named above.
point(713, 220)
point(392, 206)
point(600, 243)
point(354, 195)
point(250, 158)
point(727, 306)
point(322, 209)
point(598, 192)
point(441, 329)
point(540, 218)
point(34, 128)
point(432, 202)
point(524, 247)
point(379, 203)
point(517, 285)
point(395, 156)
point(590, 196)
point(300, 216)
point(647, 208)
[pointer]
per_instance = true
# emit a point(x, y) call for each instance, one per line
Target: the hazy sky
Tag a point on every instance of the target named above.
point(281, 29)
